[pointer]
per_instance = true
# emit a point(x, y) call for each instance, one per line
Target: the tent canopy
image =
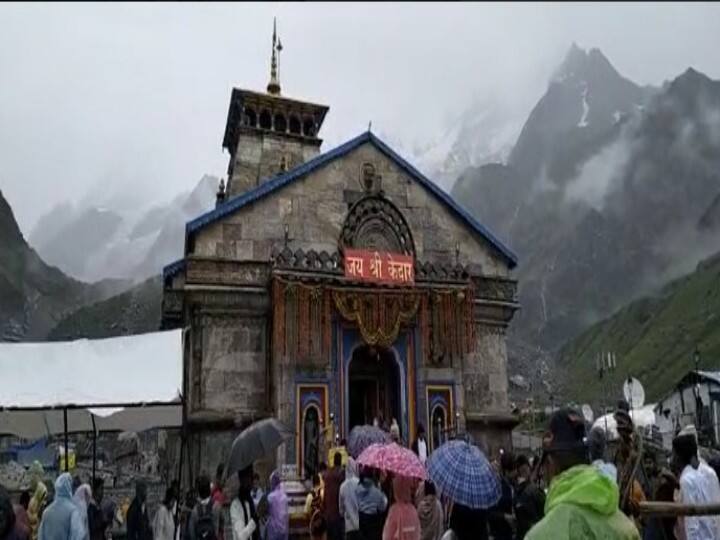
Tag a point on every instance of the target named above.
point(105, 377)
point(642, 417)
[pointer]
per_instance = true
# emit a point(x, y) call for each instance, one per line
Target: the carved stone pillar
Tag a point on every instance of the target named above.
point(485, 384)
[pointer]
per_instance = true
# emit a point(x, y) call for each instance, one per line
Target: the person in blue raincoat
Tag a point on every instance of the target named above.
point(62, 520)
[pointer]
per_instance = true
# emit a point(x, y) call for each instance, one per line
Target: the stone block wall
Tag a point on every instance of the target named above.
point(485, 371)
point(314, 208)
point(233, 363)
point(228, 353)
point(230, 358)
point(484, 387)
point(259, 156)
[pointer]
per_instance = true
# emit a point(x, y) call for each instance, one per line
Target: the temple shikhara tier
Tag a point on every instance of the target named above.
point(334, 289)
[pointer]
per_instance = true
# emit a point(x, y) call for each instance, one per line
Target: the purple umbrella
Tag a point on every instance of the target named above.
point(363, 436)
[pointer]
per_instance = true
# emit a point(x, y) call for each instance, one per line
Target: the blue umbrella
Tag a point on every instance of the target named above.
point(363, 436)
point(462, 473)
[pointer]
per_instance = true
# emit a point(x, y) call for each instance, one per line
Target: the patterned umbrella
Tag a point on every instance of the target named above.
point(363, 436)
point(461, 472)
point(393, 458)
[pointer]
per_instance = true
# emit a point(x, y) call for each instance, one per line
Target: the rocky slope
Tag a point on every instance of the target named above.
point(135, 311)
point(611, 190)
point(34, 295)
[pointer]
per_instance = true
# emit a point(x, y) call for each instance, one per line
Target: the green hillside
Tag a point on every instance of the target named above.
point(653, 338)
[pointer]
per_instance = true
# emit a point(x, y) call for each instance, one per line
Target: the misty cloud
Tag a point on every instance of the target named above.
point(600, 174)
point(101, 101)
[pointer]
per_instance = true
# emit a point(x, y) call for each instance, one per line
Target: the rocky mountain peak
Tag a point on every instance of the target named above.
point(694, 84)
point(688, 104)
point(610, 191)
point(575, 57)
point(10, 235)
point(580, 113)
point(91, 243)
point(582, 65)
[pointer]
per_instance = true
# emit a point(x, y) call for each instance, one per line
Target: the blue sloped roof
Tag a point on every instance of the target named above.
point(173, 269)
point(300, 171)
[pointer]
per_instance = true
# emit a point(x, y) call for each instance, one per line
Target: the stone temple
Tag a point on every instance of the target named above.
point(333, 288)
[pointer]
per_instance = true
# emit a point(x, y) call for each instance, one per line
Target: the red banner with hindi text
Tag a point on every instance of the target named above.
point(379, 267)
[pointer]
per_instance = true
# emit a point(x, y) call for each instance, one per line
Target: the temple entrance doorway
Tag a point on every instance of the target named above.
point(374, 387)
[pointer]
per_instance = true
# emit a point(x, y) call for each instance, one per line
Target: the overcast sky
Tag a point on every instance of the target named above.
point(97, 99)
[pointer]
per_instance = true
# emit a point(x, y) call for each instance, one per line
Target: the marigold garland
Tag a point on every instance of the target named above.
point(379, 315)
point(303, 315)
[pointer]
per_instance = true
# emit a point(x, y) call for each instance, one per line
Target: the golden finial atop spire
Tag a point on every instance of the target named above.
point(273, 86)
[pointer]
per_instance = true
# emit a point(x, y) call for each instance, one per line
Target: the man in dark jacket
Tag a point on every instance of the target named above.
point(500, 515)
point(468, 523)
point(529, 499)
point(205, 508)
point(331, 500)
point(138, 523)
point(96, 518)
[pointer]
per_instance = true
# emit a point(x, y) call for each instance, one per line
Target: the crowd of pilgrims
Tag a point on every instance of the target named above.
point(568, 492)
point(367, 504)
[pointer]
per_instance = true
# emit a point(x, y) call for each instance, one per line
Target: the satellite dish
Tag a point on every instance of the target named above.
point(634, 393)
point(588, 413)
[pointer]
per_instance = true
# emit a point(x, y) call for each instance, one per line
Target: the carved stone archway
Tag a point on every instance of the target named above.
point(375, 223)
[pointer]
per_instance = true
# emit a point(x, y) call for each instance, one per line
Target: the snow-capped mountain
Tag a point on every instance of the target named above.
point(483, 133)
point(611, 190)
point(585, 102)
point(92, 243)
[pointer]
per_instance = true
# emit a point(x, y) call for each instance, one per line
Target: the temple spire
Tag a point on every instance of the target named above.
point(273, 86)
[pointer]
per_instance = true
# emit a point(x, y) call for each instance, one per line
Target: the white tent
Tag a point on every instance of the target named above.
point(642, 417)
point(127, 383)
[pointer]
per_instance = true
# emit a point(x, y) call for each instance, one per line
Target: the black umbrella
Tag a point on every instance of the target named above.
point(257, 441)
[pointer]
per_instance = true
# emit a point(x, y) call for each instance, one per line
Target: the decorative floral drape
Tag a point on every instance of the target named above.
point(447, 324)
point(379, 315)
point(302, 318)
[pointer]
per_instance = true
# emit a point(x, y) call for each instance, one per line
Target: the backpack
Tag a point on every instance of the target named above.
point(205, 524)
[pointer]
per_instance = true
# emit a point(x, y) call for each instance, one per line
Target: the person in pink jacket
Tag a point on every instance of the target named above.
point(402, 521)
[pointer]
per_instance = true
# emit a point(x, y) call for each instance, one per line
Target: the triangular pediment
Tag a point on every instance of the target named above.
point(281, 182)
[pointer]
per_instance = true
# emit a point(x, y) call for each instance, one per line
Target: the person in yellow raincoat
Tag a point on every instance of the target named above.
point(36, 507)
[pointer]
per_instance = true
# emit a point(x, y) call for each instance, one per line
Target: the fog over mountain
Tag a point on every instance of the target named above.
point(34, 296)
point(581, 135)
point(132, 98)
point(610, 192)
point(118, 240)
